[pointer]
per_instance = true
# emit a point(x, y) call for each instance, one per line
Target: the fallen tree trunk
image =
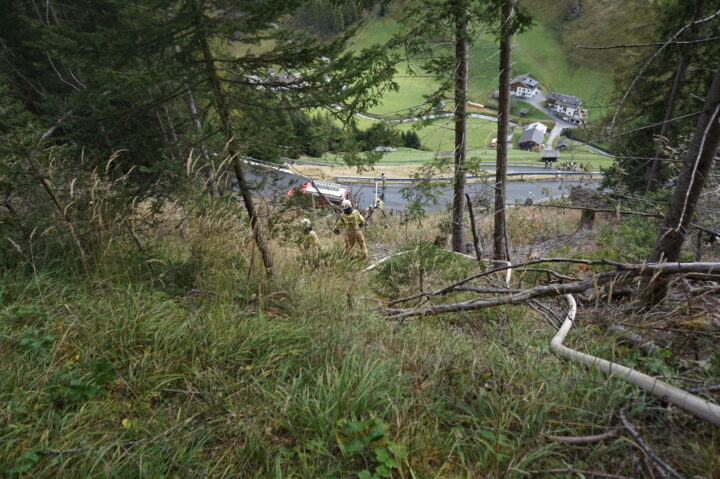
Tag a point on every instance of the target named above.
point(539, 291)
point(690, 403)
point(630, 270)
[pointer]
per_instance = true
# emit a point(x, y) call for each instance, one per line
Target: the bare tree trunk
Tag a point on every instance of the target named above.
point(461, 75)
point(651, 183)
point(211, 173)
point(473, 226)
point(223, 111)
point(680, 69)
point(500, 249)
point(690, 183)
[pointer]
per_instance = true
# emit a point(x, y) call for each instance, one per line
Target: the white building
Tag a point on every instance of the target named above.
point(566, 105)
point(538, 126)
point(523, 86)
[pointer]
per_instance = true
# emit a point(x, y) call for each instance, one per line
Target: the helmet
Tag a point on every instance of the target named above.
point(345, 204)
point(305, 223)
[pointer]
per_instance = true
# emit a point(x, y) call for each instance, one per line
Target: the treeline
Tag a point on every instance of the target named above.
point(315, 135)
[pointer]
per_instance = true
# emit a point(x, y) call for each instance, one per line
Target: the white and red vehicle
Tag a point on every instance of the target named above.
point(334, 192)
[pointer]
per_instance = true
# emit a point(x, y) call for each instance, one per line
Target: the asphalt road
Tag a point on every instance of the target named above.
point(271, 184)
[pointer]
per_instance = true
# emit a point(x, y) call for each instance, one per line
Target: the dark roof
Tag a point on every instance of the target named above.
point(567, 99)
point(532, 135)
point(525, 78)
point(550, 154)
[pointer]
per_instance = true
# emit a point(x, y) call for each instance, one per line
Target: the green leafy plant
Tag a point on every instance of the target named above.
point(421, 260)
point(368, 440)
point(36, 341)
point(82, 385)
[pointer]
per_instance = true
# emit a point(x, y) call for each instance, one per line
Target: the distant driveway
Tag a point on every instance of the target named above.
point(560, 124)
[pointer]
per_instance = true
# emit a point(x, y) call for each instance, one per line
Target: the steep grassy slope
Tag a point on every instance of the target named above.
point(546, 50)
point(185, 361)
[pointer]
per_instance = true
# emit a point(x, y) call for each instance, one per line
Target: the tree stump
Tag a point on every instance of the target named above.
point(587, 220)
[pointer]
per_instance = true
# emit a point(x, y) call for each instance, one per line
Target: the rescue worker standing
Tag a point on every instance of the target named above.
point(351, 221)
point(310, 240)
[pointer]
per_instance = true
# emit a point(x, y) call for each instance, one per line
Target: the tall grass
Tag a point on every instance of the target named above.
point(185, 361)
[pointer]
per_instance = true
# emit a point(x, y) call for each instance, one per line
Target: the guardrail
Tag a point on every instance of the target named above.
point(489, 164)
point(556, 175)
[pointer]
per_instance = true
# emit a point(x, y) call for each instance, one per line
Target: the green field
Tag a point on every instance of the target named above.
point(537, 51)
point(413, 157)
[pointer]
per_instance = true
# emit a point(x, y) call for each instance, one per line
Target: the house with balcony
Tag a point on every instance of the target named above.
point(523, 86)
point(567, 107)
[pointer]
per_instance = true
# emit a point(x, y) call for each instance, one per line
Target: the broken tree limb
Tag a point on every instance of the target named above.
point(550, 273)
point(583, 439)
point(473, 228)
point(661, 466)
point(373, 266)
point(690, 403)
point(643, 269)
point(648, 346)
point(539, 291)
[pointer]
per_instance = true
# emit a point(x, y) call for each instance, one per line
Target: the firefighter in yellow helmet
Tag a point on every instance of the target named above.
point(310, 240)
point(351, 221)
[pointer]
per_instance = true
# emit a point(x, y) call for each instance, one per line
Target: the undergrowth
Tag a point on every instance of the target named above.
point(186, 361)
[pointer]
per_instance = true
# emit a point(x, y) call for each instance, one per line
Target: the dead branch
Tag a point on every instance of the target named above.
point(373, 266)
point(487, 273)
point(710, 289)
point(661, 466)
point(647, 269)
point(40, 176)
point(473, 228)
point(488, 290)
point(710, 389)
point(539, 291)
point(648, 346)
point(655, 44)
point(550, 273)
point(575, 440)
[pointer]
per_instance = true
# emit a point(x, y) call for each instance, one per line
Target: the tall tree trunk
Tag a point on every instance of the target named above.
point(223, 111)
point(690, 183)
point(680, 69)
point(500, 247)
point(211, 172)
point(461, 75)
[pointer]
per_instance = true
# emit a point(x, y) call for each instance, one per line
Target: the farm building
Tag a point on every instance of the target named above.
point(531, 138)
